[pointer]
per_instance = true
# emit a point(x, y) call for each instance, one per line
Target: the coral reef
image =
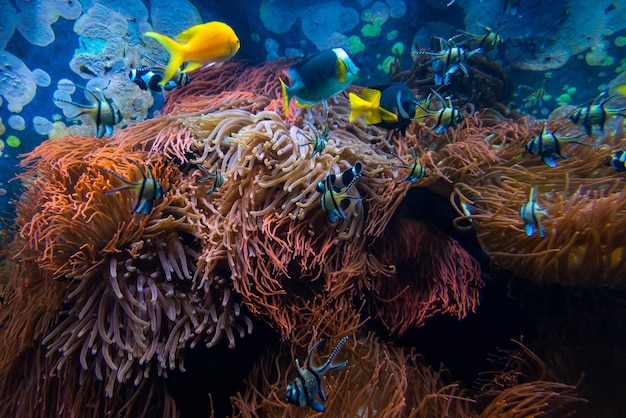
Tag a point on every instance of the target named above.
point(116, 297)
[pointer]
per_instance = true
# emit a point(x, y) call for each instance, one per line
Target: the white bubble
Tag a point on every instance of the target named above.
point(42, 78)
point(42, 125)
point(17, 122)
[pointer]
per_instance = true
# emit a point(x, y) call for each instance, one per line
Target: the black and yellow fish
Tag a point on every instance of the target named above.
point(102, 111)
point(318, 77)
point(446, 117)
point(390, 106)
point(416, 171)
point(217, 178)
point(536, 96)
point(334, 188)
point(532, 214)
point(548, 145)
point(147, 189)
point(307, 386)
point(595, 114)
point(487, 42)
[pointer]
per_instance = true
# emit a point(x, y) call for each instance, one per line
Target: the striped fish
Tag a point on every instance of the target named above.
point(446, 117)
point(333, 190)
point(548, 145)
point(531, 213)
point(595, 114)
point(308, 384)
point(147, 189)
point(217, 177)
point(101, 110)
point(416, 171)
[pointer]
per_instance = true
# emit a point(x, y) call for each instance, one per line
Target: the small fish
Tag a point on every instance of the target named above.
point(487, 42)
point(308, 384)
point(316, 78)
point(512, 7)
point(147, 189)
point(446, 117)
point(595, 113)
point(390, 106)
point(211, 43)
point(448, 60)
point(101, 110)
point(537, 96)
point(531, 213)
point(416, 171)
point(618, 160)
point(548, 145)
point(333, 190)
point(319, 139)
point(149, 78)
point(217, 177)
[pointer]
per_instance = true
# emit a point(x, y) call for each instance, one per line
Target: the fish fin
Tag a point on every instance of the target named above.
point(387, 116)
point(194, 65)
point(365, 104)
point(549, 160)
point(186, 35)
point(530, 230)
point(317, 406)
point(621, 90)
point(341, 70)
point(286, 96)
point(176, 55)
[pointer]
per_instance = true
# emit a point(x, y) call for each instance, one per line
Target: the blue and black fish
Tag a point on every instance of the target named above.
point(147, 189)
point(390, 106)
point(148, 78)
point(102, 111)
point(334, 188)
point(532, 214)
point(548, 145)
point(618, 160)
point(217, 178)
point(316, 78)
point(307, 386)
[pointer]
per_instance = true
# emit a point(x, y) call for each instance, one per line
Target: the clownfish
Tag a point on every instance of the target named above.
point(217, 177)
point(308, 384)
point(548, 145)
point(318, 77)
point(102, 111)
point(211, 43)
point(446, 117)
point(531, 213)
point(595, 113)
point(391, 106)
point(147, 189)
point(334, 188)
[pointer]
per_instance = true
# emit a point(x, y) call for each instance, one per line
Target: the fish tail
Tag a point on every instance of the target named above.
point(176, 55)
point(286, 96)
point(358, 106)
point(82, 109)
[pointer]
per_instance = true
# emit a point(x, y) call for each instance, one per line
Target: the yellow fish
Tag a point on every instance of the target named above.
point(211, 43)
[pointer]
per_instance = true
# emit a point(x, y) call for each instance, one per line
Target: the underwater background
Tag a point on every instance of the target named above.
point(199, 303)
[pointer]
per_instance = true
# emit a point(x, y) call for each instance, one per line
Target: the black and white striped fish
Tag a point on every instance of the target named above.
point(308, 384)
point(531, 213)
point(147, 189)
point(548, 145)
point(334, 188)
point(416, 171)
point(595, 114)
point(101, 109)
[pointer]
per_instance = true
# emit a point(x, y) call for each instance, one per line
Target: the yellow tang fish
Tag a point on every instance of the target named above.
point(211, 43)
